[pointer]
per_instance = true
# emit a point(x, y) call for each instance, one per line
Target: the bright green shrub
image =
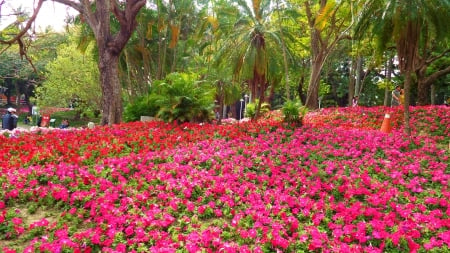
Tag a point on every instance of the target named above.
point(182, 98)
point(141, 107)
point(293, 112)
point(250, 110)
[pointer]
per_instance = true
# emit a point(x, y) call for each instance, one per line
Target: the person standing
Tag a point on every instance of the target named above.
point(355, 101)
point(402, 96)
point(14, 117)
point(8, 119)
point(395, 101)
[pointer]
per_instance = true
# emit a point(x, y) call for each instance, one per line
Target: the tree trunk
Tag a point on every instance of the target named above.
point(17, 88)
point(388, 78)
point(407, 90)
point(271, 94)
point(352, 81)
point(423, 93)
point(358, 73)
point(111, 88)
point(312, 98)
point(300, 92)
point(433, 94)
point(285, 62)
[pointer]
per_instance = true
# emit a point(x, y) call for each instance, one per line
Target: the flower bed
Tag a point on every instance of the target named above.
point(249, 187)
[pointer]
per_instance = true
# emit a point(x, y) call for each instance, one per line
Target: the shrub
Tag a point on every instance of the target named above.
point(250, 110)
point(180, 97)
point(141, 107)
point(294, 112)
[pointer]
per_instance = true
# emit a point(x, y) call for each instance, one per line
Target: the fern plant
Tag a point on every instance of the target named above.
point(180, 97)
point(294, 112)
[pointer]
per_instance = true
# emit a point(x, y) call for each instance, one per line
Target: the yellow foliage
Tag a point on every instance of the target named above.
point(324, 14)
point(148, 35)
point(213, 21)
point(175, 35)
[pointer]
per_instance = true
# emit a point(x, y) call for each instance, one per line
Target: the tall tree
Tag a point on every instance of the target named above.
point(328, 22)
point(110, 43)
point(403, 22)
point(252, 44)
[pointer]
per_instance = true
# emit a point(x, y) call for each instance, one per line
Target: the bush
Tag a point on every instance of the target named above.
point(294, 112)
point(182, 98)
point(141, 107)
point(250, 110)
point(179, 97)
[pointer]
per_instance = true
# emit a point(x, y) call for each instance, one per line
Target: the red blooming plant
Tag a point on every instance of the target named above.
point(251, 187)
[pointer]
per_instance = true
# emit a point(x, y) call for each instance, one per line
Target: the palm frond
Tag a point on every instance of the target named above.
point(324, 15)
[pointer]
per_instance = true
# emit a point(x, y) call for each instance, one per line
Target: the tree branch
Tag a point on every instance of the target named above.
point(26, 28)
point(118, 13)
point(77, 6)
point(430, 79)
point(431, 60)
point(127, 20)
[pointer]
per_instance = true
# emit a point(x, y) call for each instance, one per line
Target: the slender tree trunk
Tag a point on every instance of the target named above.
point(220, 113)
point(352, 81)
point(271, 94)
point(174, 60)
point(433, 94)
point(312, 99)
point(407, 90)
point(358, 73)
point(131, 90)
point(283, 46)
point(300, 92)
point(16, 84)
point(387, 90)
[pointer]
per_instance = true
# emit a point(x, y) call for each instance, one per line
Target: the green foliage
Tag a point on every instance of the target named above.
point(250, 110)
point(72, 76)
point(180, 97)
point(293, 111)
point(140, 107)
point(385, 83)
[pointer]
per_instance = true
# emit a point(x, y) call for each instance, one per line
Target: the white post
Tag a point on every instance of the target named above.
point(245, 103)
point(240, 109)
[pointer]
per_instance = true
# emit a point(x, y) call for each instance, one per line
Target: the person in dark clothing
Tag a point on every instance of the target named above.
point(39, 121)
point(64, 124)
point(9, 119)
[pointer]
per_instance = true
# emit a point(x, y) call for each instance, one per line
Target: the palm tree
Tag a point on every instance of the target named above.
point(252, 44)
point(404, 22)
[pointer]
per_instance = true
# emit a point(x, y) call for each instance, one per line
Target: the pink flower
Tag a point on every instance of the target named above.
point(218, 212)
point(16, 221)
point(129, 231)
